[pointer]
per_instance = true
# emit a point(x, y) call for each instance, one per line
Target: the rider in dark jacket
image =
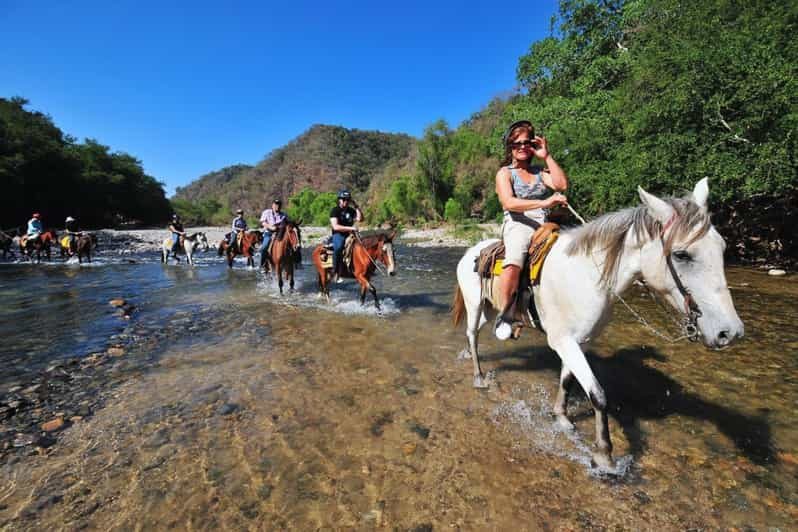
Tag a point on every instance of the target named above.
point(342, 220)
point(176, 229)
point(239, 226)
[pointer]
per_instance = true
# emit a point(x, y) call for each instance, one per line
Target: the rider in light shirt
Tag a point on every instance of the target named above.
point(35, 227)
point(269, 220)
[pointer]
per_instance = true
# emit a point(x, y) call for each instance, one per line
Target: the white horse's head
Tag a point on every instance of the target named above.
point(203, 241)
point(685, 265)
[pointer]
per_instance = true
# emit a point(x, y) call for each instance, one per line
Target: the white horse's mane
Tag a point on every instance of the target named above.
point(608, 232)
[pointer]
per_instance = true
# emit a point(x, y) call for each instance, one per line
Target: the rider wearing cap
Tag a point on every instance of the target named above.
point(35, 227)
point(269, 220)
point(342, 219)
point(526, 193)
point(239, 226)
point(176, 230)
point(71, 230)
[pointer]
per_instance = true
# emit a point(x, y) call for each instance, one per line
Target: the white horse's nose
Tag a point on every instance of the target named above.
point(730, 335)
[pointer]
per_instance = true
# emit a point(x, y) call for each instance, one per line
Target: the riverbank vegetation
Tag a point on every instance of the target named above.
point(657, 93)
point(43, 169)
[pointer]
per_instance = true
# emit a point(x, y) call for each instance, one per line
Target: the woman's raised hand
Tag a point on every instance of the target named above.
point(542, 150)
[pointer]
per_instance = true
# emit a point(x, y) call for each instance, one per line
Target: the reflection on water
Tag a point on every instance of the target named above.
point(236, 408)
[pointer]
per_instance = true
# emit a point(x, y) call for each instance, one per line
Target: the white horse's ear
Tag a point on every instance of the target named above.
point(659, 209)
point(701, 193)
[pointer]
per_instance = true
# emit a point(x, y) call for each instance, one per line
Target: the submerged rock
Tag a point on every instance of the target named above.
point(227, 408)
point(117, 302)
point(53, 425)
point(776, 272)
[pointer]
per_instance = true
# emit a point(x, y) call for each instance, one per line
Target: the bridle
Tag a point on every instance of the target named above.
point(692, 312)
point(380, 255)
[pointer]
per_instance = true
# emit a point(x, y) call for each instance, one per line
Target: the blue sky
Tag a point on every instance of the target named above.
point(191, 87)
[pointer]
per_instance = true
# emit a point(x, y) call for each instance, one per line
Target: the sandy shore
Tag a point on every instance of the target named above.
point(142, 240)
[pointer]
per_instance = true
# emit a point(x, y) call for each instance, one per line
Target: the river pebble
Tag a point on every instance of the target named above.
point(776, 272)
point(53, 425)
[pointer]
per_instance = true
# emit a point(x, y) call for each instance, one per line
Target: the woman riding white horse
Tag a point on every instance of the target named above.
point(188, 244)
point(670, 244)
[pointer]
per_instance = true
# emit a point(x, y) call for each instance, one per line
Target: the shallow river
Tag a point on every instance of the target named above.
point(218, 404)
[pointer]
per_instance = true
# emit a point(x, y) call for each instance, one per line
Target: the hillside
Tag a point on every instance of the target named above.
point(325, 158)
point(210, 184)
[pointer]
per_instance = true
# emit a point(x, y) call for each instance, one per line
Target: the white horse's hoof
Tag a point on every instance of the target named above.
point(564, 423)
point(603, 461)
point(504, 331)
point(465, 354)
point(480, 382)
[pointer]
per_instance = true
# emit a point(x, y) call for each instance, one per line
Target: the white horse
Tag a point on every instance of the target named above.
point(668, 243)
point(189, 244)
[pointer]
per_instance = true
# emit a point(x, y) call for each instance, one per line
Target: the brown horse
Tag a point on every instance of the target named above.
point(366, 253)
point(245, 246)
point(85, 243)
point(283, 252)
point(41, 243)
point(81, 245)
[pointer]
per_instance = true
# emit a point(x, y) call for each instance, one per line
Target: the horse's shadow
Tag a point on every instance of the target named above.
point(421, 300)
point(636, 391)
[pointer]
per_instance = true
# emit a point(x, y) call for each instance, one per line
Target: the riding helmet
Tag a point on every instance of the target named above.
point(175, 216)
point(514, 125)
point(240, 211)
point(344, 194)
point(278, 201)
point(37, 215)
point(69, 219)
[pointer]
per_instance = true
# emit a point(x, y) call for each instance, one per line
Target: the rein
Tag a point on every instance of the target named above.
point(376, 265)
point(689, 324)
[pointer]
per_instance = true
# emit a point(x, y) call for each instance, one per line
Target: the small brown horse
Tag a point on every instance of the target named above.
point(245, 247)
point(283, 252)
point(366, 252)
point(42, 243)
point(85, 243)
point(81, 245)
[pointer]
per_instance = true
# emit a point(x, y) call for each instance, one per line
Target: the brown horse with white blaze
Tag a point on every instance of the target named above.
point(367, 252)
point(283, 252)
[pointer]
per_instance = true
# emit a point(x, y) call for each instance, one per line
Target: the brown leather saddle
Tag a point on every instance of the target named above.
point(489, 265)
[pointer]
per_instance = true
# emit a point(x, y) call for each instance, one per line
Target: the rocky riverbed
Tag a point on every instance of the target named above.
point(151, 240)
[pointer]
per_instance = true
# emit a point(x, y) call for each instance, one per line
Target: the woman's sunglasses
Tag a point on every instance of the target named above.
point(522, 144)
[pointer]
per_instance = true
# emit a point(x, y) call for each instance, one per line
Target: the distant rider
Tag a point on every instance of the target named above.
point(71, 229)
point(342, 220)
point(269, 220)
point(35, 227)
point(239, 226)
point(176, 229)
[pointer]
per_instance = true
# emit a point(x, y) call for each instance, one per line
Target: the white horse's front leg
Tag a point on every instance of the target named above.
point(574, 359)
point(561, 403)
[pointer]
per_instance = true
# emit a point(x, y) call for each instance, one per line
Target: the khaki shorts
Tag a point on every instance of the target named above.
point(516, 237)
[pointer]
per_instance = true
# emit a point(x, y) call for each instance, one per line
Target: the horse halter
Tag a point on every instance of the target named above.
point(692, 312)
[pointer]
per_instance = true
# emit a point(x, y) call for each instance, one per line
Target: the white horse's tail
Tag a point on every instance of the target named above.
point(458, 306)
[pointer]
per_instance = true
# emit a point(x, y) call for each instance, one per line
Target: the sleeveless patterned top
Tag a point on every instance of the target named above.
point(523, 190)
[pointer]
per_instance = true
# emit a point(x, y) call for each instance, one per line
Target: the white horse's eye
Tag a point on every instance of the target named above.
point(682, 256)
